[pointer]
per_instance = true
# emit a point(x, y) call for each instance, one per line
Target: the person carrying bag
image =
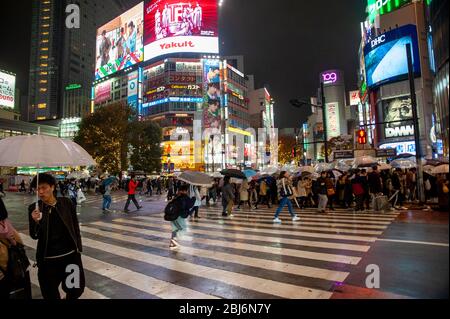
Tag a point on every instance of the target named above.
point(14, 263)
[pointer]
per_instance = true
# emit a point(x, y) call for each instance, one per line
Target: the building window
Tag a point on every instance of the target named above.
point(43, 90)
point(42, 106)
point(44, 49)
point(43, 73)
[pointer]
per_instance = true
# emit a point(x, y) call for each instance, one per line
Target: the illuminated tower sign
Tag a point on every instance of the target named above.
point(380, 7)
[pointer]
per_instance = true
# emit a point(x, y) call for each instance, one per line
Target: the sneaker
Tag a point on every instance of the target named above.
point(277, 221)
point(295, 219)
point(174, 245)
point(403, 208)
point(231, 215)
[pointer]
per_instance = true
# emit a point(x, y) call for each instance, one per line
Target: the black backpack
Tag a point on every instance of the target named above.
point(172, 211)
point(102, 189)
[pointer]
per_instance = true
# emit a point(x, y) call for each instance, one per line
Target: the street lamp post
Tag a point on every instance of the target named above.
point(298, 103)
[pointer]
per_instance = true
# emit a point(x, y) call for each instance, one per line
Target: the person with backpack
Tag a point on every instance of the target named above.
point(177, 210)
point(132, 185)
point(9, 237)
point(285, 191)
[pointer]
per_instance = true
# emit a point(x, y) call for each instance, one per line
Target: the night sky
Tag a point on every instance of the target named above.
point(286, 44)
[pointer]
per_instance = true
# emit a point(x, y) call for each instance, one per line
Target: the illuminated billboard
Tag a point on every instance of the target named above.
point(212, 113)
point(398, 117)
point(102, 92)
point(7, 89)
point(177, 26)
point(381, 7)
point(120, 42)
point(385, 56)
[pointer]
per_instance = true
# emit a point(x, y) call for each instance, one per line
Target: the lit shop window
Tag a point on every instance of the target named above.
point(43, 81)
point(44, 49)
point(44, 65)
point(42, 106)
point(45, 25)
point(46, 10)
point(45, 18)
point(44, 41)
point(42, 90)
point(45, 33)
point(43, 73)
point(41, 118)
point(44, 56)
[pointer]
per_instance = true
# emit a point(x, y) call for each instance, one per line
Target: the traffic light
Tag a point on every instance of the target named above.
point(362, 137)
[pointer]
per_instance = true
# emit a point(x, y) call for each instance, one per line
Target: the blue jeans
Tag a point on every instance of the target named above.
point(284, 201)
point(107, 200)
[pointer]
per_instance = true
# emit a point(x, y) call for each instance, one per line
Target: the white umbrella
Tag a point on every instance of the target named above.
point(42, 151)
point(364, 161)
point(384, 166)
point(307, 169)
point(216, 175)
point(78, 175)
point(428, 169)
point(322, 167)
point(270, 170)
point(196, 178)
point(341, 165)
point(403, 163)
point(293, 169)
point(441, 169)
point(336, 173)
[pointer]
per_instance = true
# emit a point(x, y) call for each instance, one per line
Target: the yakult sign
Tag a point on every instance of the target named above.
point(178, 26)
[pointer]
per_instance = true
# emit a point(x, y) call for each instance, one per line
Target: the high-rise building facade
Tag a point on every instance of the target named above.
point(62, 58)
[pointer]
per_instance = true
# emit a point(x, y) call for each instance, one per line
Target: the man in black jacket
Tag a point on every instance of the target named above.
point(54, 224)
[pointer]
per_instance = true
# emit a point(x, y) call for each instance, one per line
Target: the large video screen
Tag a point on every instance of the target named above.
point(120, 42)
point(385, 56)
point(398, 117)
point(178, 26)
point(7, 89)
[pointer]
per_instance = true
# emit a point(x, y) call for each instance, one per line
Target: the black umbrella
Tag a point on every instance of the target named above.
point(234, 173)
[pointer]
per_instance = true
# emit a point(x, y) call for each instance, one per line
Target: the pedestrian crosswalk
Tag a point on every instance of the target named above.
point(245, 256)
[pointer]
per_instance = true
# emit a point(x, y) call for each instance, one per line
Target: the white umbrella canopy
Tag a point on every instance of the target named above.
point(403, 163)
point(384, 166)
point(341, 165)
point(78, 175)
point(196, 178)
point(441, 169)
point(321, 167)
point(364, 161)
point(428, 169)
point(307, 169)
point(42, 151)
point(270, 170)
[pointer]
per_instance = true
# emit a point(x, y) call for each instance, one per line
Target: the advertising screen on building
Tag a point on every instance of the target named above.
point(120, 42)
point(7, 89)
point(386, 59)
point(102, 92)
point(380, 7)
point(176, 26)
point(333, 124)
point(212, 117)
point(397, 112)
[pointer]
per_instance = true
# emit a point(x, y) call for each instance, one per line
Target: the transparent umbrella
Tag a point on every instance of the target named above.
point(403, 163)
point(42, 151)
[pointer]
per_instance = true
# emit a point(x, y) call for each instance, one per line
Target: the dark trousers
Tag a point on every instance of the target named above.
point(263, 199)
point(132, 198)
point(52, 273)
point(195, 211)
point(359, 202)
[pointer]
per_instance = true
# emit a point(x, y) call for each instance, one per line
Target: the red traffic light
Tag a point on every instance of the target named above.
point(362, 137)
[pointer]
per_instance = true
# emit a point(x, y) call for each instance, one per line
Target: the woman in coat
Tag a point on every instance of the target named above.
point(243, 194)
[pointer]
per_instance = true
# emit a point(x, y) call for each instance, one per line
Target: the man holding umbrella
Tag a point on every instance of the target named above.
point(54, 224)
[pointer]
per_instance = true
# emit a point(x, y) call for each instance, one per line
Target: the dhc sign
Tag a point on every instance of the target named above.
point(399, 131)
